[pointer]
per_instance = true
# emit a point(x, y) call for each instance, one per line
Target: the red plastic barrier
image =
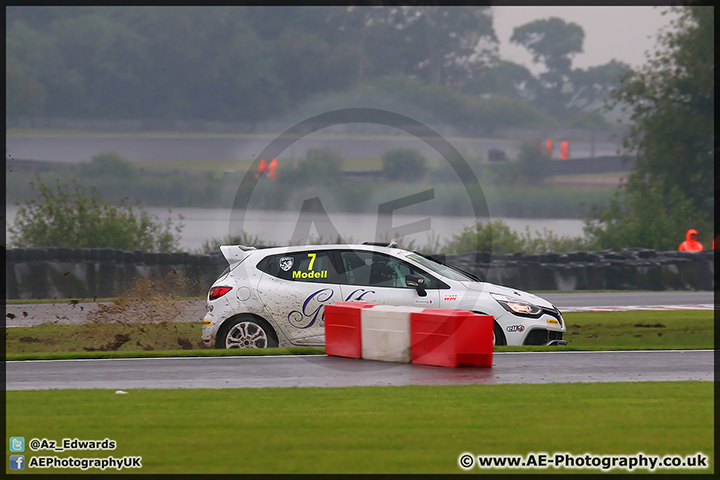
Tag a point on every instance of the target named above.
point(342, 329)
point(451, 338)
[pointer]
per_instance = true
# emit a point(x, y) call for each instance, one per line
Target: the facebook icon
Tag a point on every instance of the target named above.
point(17, 462)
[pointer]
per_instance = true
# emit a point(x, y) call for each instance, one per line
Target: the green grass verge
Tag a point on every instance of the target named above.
point(638, 330)
point(675, 329)
point(408, 429)
point(166, 353)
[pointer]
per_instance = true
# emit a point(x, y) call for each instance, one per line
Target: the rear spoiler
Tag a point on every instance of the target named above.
point(235, 254)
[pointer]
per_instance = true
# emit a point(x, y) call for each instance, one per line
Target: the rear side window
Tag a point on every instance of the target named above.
point(307, 266)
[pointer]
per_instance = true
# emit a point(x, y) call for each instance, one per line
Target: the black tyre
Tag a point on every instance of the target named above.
point(499, 335)
point(246, 331)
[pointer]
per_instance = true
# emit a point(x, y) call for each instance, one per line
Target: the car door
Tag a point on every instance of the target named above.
point(295, 288)
point(374, 277)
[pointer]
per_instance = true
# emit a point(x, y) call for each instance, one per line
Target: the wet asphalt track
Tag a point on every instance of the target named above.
point(27, 315)
point(324, 371)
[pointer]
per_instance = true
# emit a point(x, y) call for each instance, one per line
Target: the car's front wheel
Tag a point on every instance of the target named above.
point(246, 332)
point(498, 335)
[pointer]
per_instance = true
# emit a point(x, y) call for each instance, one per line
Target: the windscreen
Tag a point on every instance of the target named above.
point(439, 268)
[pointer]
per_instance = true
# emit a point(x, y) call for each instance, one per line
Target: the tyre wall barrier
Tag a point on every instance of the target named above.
point(628, 269)
point(446, 338)
point(105, 272)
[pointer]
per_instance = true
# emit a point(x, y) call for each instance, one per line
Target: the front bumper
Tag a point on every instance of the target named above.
point(540, 336)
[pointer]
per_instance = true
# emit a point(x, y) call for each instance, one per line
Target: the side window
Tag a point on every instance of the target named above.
point(305, 266)
point(379, 270)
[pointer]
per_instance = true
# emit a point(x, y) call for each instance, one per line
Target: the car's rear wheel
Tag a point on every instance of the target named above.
point(498, 335)
point(246, 331)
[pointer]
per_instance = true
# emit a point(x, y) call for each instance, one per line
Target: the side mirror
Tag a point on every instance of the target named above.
point(417, 282)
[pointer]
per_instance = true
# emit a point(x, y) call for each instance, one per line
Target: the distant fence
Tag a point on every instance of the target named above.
point(580, 166)
point(34, 273)
point(210, 126)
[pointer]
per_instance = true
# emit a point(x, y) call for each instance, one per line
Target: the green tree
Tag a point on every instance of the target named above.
point(446, 42)
point(25, 96)
point(533, 164)
point(109, 164)
point(591, 87)
point(405, 164)
point(505, 78)
point(672, 134)
point(441, 45)
point(71, 217)
point(320, 166)
point(495, 237)
point(649, 218)
point(552, 42)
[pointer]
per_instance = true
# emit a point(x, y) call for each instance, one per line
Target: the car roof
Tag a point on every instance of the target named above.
point(235, 254)
point(330, 246)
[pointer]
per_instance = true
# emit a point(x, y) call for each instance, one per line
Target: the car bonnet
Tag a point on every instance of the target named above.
point(512, 293)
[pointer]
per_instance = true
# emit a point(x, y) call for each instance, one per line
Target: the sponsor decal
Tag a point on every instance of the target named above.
point(207, 323)
point(450, 297)
point(515, 328)
point(297, 274)
point(552, 321)
point(358, 295)
point(286, 263)
point(312, 310)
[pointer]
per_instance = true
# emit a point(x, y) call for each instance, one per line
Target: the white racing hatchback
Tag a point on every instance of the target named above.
point(272, 297)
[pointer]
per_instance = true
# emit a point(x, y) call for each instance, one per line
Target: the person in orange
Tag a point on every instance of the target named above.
point(691, 244)
point(261, 168)
point(272, 168)
point(564, 150)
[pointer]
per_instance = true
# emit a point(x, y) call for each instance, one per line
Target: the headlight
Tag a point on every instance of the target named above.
point(518, 307)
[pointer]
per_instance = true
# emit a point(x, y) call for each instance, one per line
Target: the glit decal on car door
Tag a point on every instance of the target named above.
point(358, 295)
point(312, 310)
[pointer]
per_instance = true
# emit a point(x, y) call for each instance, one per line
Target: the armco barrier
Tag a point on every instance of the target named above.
point(451, 338)
point(342, 329)
point(446, 338)
point(103, 272)
point(87, 273)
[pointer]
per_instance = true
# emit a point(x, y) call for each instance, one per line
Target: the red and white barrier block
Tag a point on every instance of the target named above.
point(448, 338)
point(342, 329)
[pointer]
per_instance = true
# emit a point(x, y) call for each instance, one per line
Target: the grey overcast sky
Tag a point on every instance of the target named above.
point(611, 32)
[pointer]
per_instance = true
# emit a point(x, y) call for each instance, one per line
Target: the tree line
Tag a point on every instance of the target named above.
point(258, 63)
point(671, 98)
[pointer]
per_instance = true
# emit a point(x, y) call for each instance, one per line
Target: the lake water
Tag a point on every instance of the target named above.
point(278, 227)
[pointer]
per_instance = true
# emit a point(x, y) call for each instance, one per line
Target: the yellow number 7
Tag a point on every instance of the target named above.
point(313, 255)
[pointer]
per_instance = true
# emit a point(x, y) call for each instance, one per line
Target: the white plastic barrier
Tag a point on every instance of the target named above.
point(385, 333)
